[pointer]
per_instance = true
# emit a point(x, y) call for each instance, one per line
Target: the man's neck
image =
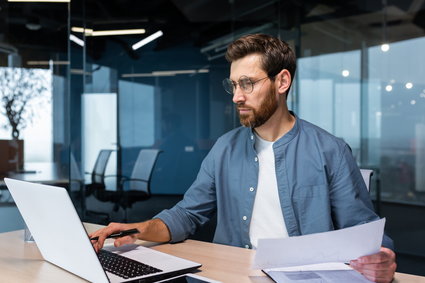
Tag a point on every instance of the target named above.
point(277, 126)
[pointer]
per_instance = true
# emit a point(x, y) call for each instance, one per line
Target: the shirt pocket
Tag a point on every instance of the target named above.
point(312, 208)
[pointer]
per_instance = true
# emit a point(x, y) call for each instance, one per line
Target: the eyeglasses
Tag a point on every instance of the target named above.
point(245, 83)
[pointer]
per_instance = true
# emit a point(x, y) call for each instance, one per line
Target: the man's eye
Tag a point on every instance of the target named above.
point(244, 83)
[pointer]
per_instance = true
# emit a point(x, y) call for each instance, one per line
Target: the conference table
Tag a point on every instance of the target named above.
point(49, 173)
point(42, 172)
point(22, 262)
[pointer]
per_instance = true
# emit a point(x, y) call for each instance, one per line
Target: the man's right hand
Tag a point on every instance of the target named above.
point(153, 230)
point(114, 228)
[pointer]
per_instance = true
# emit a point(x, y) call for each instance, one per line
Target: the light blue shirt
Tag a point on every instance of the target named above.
point(320, 187)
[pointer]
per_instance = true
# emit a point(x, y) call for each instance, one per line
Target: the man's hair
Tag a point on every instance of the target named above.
point(276, 54)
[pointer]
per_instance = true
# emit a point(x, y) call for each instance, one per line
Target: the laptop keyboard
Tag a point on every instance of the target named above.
point(123, 266)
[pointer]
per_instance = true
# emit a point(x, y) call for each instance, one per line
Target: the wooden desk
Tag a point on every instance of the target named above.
point(22, 262)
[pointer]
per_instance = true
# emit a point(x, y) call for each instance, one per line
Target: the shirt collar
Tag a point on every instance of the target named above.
point(285, 138)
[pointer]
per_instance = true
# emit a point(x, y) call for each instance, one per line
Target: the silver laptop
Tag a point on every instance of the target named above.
point(62, 240)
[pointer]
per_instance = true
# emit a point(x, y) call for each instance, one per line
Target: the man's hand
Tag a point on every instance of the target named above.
point(379, 267)
point(114, 228)
point(152, 230)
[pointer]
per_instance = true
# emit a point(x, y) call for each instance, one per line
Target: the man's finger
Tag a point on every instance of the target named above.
point(123, 240)
point(375, 258)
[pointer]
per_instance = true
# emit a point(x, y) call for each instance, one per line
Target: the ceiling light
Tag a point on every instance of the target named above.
point(76, 40)
point(33, 23)
point(408, 85)
point(385, 47)
point(165, 73)
point(31, 63)
point(147, 40)
point(91, 32)
point(115, 32)
point(172, 73)
point(45, 1)
point(389, 88)
point(345, 73)
point(82, 30)
point(80, 72)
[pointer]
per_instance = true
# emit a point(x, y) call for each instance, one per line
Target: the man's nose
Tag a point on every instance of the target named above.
point(238, 95)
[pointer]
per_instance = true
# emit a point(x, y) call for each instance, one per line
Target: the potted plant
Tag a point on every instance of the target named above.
point(22, 94)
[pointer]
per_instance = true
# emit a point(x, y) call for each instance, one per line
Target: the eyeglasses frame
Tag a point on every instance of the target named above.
point(235, 84)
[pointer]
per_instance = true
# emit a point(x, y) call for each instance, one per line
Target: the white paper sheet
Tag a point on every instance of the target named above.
point(321, 276)
point(313, 267)
point(335, 246)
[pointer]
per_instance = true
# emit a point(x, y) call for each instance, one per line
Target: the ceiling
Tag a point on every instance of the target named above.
point(43, 27)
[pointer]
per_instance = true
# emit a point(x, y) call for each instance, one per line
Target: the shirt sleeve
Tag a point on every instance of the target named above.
point(350, 199)
point(198, 204)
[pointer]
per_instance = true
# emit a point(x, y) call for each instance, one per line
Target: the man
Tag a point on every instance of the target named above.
point(277, 176)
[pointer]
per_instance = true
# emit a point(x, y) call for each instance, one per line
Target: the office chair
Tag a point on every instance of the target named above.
point(134, 188)
point(367, 176)
point(98, 173)
point(137, 187)
point(97, 186)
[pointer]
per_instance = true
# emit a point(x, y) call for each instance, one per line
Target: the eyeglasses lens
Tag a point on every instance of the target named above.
point(246, 85)
point(228, 86)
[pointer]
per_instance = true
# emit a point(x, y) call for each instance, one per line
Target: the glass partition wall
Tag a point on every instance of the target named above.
point(34, 63)
point(33, 68)
point(369, 90)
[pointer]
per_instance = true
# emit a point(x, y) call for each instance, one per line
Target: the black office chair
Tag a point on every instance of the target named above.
point(98, 173)
point(134, 188)
point(97, 186)
point(137, 187)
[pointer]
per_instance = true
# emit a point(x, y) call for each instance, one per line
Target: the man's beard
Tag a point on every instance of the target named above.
point(258, 117)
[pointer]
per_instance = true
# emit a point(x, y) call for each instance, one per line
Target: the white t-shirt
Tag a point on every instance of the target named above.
point(267, 219)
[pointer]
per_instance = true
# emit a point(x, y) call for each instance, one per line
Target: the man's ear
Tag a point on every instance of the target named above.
point(283, 81)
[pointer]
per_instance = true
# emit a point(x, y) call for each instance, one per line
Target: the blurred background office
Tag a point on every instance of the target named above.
point(81, 76)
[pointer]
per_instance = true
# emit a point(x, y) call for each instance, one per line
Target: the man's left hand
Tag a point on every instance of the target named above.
point(379, 267)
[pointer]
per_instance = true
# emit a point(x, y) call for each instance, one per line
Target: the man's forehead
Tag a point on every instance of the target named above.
point(249, 65)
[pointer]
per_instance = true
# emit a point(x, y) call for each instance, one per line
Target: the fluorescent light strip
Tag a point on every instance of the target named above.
point(147, 40)
point(32, 63)
point(45, 1)
point(172, 73)
point(116, 32)
point(91, 32)
point(76, 40)
point(138, 75)
point(80, 72)
point(165, 73)
point(82, 30)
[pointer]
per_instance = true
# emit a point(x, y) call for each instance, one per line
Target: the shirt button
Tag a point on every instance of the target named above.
point(244, 218)
point(247, 246)
point(251, 189)
point(252, 137)
point(256, 159)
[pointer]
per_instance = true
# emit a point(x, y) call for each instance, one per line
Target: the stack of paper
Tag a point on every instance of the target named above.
point(319, 257)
